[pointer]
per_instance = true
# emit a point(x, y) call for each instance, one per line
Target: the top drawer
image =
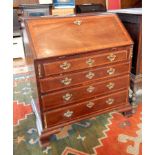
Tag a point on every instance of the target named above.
point(85, 61)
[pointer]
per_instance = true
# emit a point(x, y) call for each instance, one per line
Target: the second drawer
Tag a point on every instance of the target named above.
point(58, 82)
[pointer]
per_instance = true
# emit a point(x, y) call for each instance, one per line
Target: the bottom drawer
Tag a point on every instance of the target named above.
point(68, 113)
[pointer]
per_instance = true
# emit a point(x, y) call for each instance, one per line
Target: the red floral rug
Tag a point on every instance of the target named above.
point(108, 134)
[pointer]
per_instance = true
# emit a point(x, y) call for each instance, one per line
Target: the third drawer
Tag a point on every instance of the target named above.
point(65, 97)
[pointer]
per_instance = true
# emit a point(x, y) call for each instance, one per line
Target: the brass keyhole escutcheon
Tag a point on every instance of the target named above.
point(67, 97)
point(110, 85)
point(111, 71)
point(77, 22)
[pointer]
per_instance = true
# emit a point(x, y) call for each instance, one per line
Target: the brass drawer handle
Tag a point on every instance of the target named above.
point(111, 71)
point(77, 22)
point(90, 75)
point(66, 81)
point(67, 97)
point(90, 104)
point(90, 62)
point(90, 89)
point(110, 101)
point(68, 113)
point(111, 57)
point(66, 65)
point(110, 85)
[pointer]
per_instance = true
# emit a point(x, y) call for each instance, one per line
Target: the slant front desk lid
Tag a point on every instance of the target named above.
point(50, 37)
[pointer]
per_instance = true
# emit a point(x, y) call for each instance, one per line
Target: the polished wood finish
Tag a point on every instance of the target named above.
point(81, 67)
point(79, 42)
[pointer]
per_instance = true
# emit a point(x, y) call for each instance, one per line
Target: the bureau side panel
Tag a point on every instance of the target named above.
point(32, 63)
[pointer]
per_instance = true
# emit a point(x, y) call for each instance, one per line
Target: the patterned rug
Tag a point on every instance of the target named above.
point(108, 134)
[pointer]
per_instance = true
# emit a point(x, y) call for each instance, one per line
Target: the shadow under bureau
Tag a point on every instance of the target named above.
point(81, 65)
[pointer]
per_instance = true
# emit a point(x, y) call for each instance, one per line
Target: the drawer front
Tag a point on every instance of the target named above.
point(84, 62)
point(80, 93)
point(59, 82)
point(78, 110)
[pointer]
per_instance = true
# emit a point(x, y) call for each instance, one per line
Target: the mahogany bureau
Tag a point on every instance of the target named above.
point(81, 64)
